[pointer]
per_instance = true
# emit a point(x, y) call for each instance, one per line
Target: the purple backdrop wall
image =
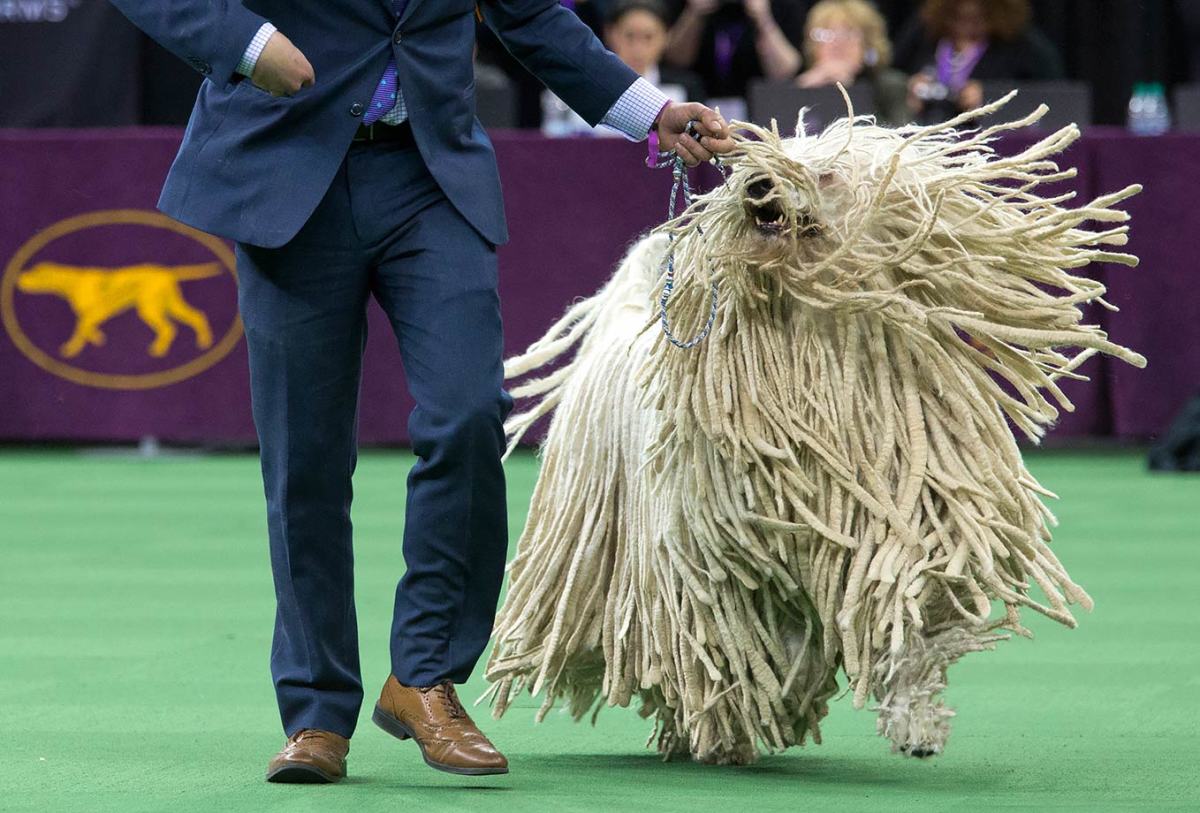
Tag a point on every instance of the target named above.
point(76, 200)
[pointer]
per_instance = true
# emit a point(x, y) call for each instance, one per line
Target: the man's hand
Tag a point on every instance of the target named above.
point(715, 137)
point(282, 69)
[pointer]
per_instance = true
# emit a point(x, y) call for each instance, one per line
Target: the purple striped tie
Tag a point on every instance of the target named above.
point(384, 97)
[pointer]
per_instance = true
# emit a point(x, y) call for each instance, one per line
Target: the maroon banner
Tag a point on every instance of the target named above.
point(1160, 299)
point(118, 323)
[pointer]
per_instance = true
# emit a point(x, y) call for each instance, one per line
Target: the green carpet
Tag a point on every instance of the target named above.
point(135, 622)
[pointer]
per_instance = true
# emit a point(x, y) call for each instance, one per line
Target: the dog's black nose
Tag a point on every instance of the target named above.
point(759, 189)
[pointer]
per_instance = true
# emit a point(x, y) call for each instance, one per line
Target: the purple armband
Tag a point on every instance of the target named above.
point(653, 156)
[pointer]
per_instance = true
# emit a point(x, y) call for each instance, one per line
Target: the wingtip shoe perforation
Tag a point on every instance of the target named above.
point(434, 717)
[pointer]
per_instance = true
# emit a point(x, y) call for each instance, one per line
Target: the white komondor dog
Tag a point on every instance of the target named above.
point(829, 481)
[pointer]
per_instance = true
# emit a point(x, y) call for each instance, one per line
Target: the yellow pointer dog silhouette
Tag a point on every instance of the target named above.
point(98, 294)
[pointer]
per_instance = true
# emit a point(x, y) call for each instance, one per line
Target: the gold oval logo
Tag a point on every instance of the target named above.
point(171, 314)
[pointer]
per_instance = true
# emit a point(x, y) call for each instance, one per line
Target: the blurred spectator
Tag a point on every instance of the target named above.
point(958, 43)
point(729, 42)
point(636, 31)
point(846, 41)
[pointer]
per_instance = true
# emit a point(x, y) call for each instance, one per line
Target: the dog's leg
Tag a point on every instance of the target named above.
point(760, 682)
point(909, 684)
point(739, 753)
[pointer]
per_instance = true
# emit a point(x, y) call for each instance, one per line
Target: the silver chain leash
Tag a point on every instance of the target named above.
point(679, 183)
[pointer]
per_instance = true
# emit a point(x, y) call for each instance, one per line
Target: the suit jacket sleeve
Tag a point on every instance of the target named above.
point(560, 50)
point(210, 35)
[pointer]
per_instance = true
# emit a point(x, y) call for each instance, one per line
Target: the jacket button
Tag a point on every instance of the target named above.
point(397, 37)
point(356, 109)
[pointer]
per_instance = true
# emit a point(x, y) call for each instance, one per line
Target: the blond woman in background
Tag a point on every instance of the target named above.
point(846, 41)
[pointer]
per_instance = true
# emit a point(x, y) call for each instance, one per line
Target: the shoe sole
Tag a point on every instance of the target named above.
point(400, 731)
point(296, 773)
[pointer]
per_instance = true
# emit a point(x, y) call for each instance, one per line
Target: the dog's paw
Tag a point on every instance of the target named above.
point(745, 754)
point(916, 721)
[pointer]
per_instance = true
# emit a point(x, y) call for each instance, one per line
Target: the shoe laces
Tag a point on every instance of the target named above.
point(450, 702)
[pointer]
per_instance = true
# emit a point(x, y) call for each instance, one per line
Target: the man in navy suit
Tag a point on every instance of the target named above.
point(337, 145)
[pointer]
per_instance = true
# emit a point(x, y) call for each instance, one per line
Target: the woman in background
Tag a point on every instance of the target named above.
point(636, 31)
point(730, 42)
point(846, 41)
point(959, 43)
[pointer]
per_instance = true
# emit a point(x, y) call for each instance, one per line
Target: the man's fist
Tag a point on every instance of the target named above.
point(714, 135)
point(282, 69)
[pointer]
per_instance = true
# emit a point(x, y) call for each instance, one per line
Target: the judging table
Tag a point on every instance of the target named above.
point(77, 206)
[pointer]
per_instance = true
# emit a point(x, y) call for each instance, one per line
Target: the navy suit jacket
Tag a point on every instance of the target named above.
point(253, 167)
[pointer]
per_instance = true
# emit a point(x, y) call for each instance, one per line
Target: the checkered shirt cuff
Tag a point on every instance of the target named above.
point(254, 49)
point(634, 112)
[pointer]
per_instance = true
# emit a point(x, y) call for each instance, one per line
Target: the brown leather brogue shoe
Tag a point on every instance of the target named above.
point(433, 716)
point(310, 756)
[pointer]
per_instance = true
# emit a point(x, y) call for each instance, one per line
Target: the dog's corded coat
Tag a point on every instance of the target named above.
point(829, 481)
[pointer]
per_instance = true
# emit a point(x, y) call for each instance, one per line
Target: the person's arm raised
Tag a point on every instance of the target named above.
point(683, 40)
point(779, 58)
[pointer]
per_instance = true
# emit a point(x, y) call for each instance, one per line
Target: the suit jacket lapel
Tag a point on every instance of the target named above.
point(408, 8)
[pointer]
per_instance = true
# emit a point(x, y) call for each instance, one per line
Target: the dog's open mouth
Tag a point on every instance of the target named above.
point(769, 219)
point(764, 208)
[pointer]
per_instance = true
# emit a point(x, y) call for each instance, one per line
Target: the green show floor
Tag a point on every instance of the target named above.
point(136, 611)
